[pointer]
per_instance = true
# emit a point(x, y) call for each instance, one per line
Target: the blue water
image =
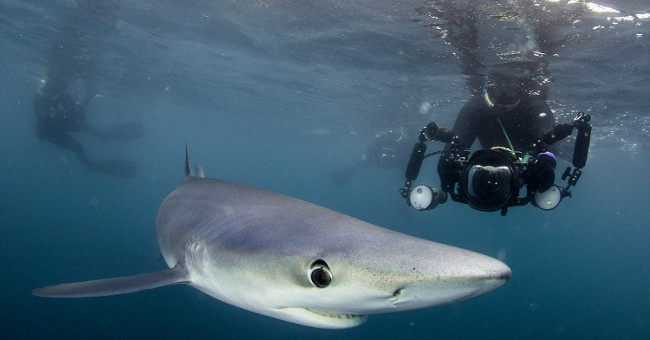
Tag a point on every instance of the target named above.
point(281, 94)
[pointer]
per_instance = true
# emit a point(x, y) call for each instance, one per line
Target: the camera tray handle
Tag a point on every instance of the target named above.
point(580, 150)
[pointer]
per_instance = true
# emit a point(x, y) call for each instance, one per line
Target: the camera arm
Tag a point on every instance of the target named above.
point(431, 132)
point(581, 150)
point(581, 147)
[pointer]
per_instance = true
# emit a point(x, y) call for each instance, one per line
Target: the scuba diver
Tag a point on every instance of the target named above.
point(387, 150)
point(516, 131)
point(506, 115)
point(503, 47)
point(60, 105)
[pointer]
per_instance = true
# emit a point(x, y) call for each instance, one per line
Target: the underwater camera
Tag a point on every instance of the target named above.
point(491, 179)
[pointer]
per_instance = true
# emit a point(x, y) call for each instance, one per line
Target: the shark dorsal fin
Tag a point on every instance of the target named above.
point(188, 168)
point(198, 171)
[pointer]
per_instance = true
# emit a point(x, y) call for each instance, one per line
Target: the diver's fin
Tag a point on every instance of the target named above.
point(199, 171)
point(115, 167)
point(124, 132)
point(115, 286)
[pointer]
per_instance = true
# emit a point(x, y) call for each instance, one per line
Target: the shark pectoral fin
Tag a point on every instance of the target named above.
point(115, 286)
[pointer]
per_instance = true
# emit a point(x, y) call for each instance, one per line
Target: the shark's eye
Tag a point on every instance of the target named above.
point(320, 274)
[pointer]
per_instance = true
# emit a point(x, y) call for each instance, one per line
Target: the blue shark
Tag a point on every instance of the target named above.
point(294, 260)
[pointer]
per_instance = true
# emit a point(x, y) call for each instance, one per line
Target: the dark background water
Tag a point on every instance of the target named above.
point(281, 95)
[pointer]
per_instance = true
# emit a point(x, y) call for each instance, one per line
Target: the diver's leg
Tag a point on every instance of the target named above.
point(65, 141)
point(114, 167)
point(124, 132)
point(85, 128)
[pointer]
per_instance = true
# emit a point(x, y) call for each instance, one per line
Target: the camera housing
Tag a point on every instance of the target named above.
point(490, 180)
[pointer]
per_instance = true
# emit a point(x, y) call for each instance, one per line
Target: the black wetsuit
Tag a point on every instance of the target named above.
point(523, 124)
point(57, 115)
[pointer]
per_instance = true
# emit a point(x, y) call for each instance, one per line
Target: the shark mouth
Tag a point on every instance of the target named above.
point(322, 319)
point(337, 315)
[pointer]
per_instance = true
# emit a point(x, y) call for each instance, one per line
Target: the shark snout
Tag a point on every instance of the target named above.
point(492, 269)
point(431, 293)
point(451, 282)
point(503, 274)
